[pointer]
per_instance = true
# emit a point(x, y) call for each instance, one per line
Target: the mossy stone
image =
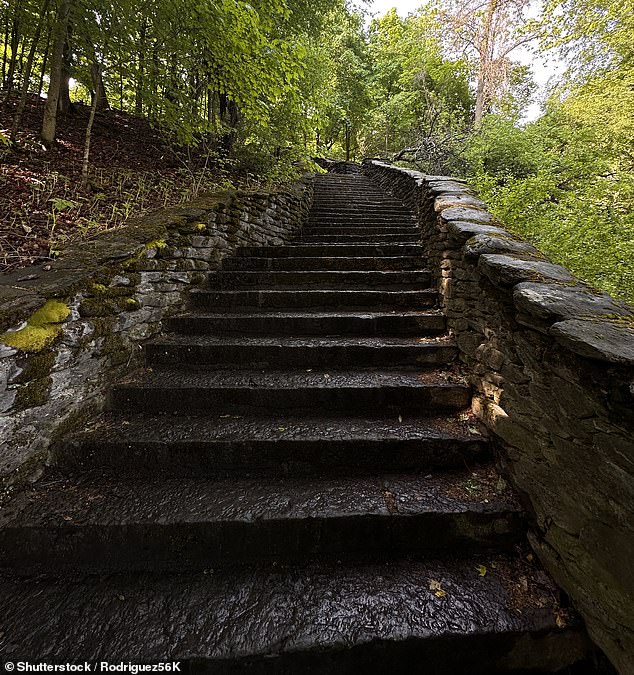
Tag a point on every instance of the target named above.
point(40, 330)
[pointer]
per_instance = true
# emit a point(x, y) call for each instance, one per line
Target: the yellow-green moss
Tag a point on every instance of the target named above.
point(40, 330)
point(158, 244)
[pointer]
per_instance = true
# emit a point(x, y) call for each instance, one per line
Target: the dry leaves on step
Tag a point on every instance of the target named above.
point(436, 586)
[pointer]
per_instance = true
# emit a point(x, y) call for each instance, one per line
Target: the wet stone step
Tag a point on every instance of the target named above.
point(358, 229)
point(361, 210)
point(230, 444)
point(373, 263)
point(332, 250)
point(364, 238)
point(359, 279)
point(195, 524)
point(308, 351)
point(326, 298)
point(310, 323)
point(213, 392)
point(372, 618)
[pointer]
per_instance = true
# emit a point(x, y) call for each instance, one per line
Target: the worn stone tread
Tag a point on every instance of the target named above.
point(110, 502)
point(168, 429)
point(235, 279)
point(191, 523)
point(374, 298)
point(300, 249)
point(384, 616)
point(298, 323)
point(357, 264)
point(321, 378)
point(320, 341)
point(230, 444)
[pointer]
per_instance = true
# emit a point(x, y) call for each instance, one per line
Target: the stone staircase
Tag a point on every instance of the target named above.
point(294, 484)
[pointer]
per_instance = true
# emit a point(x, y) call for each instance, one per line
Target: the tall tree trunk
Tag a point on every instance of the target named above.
point(485, 49)
point(26, 76)
point(14, 44)
point(64, 104)
point(44, 62)
point(91, 119)
point(140, 77)
point(5, 50)
point(59, 40)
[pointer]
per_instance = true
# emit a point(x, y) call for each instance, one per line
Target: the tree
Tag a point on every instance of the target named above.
point(60, 34)
point(489, 31)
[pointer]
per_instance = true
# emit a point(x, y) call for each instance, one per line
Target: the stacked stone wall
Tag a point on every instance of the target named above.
point(69, 329)
point(551, 362)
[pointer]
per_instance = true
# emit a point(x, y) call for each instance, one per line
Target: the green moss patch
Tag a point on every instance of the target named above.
point(40, 330)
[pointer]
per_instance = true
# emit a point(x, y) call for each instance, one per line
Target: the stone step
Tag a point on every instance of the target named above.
point(368, 300)
point(314, 230)
point(331, 250)
point(395, 226)
point(319, 278)
point(345, 209)
point(107, 525)
point(319, 619)
point(372, 263)
point(211, 392)
point(326, 350)
point(310, 323)
point(230, 445)
point(307, 238)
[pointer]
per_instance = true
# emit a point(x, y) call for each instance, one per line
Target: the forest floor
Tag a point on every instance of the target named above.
point(133, 170)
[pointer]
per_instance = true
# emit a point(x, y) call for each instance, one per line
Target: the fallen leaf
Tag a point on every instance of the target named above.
point(326, 376)
point(281, 428)
point(482, 569)
point(400, 418)
point(436, 586)
point(560, 618)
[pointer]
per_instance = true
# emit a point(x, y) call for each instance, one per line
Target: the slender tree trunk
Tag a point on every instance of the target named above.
point(26, 76)
point(91, 119)
point(6, 47)
point(140, 77)
point(99, 89)
point(14, 44)
point(59, 40)
point(44, 62)
point(120, 89)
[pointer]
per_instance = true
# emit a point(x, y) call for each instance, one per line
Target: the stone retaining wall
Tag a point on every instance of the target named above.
point(69, 329)
point(552, 367)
